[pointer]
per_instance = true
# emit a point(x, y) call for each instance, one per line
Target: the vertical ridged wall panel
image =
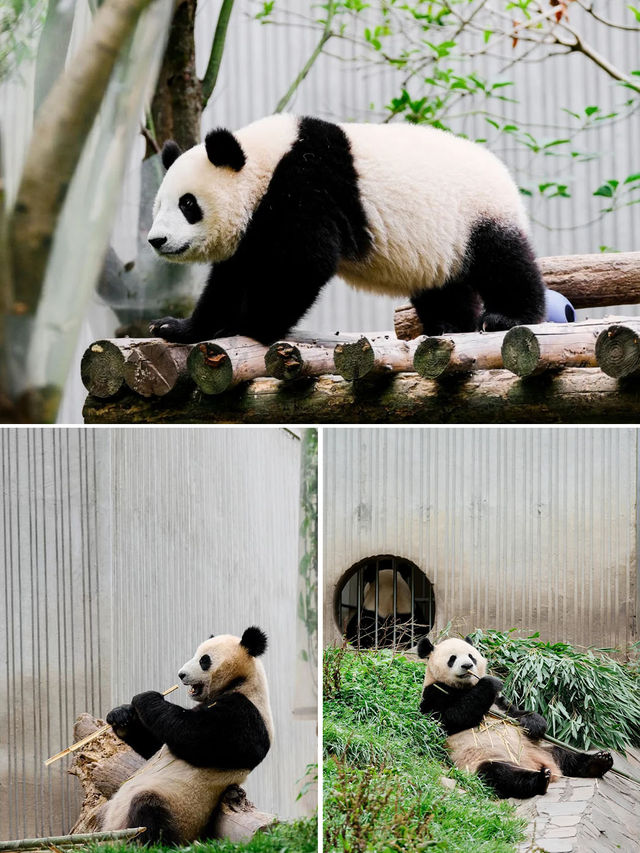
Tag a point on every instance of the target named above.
point(122, 551)
point(533, 529)
point(56, 614)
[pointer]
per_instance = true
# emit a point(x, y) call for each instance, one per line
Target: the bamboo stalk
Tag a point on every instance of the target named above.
point(47, 843)
point(85, 740)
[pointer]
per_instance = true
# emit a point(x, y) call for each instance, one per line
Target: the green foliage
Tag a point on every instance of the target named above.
point(588, 698)
point(385, 763)
point(300, 836)
point(20, 23)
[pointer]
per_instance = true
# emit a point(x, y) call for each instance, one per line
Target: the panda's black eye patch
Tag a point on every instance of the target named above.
point(205, 662)
point(190, 208)
point(473, 659)
point(451, 660)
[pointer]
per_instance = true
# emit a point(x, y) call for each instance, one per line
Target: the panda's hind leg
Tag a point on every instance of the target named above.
point(509, 780)
point(455, 307)
point(502, 269)
point(582, 764)
point(150, 810)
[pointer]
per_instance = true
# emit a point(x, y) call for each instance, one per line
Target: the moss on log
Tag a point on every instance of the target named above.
point(436, 356)
point(530, 350)
point(574, 395)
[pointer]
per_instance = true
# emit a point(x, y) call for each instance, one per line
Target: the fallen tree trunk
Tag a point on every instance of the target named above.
point(371, 356)
point(530, 350)
point(588, 281)
point(148, 366)
point(303, 355)
point(618, 349)
point(434, 357)
point(574, 395)
point(105, 763)
point(216, 366)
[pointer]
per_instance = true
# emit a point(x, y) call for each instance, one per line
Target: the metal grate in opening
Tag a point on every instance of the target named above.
point(384, 602)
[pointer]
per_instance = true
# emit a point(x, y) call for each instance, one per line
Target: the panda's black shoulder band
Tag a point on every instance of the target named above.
point(254, 641)
point(223, 149)
point(170, 153)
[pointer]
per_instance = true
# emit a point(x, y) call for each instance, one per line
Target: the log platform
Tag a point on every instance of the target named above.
point(587, 372)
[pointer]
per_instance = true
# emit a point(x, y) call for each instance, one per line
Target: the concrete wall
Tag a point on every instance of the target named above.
point(534, 529)
point(123, 550)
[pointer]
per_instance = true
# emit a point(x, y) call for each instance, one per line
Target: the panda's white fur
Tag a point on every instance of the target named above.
point(385, 594)
point(493, 739)
point(416, 245)
point(191, 793)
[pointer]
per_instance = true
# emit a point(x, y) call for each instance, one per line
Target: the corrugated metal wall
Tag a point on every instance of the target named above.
point(123, 550)
point(534, 529)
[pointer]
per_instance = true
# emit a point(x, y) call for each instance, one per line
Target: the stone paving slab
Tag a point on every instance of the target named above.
point(585, 815)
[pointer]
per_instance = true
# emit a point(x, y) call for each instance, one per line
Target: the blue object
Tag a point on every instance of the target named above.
point(558, 308)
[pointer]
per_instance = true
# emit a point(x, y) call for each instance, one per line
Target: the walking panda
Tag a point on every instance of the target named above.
point(509, 757)
point(193, 754)
point(287, 202)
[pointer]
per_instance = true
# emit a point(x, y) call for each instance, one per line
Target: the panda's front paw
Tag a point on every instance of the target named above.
point(173, 330)
point(141, 700)
point(120, 719)
point(490, 681)
point(494, 322)
point(534, 725)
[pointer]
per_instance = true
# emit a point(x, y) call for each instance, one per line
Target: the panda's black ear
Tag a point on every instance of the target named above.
point(425, 647)
point(468, 639)
point(211, 636)
point(255, 641)
point(223, 149)
point(170, 153)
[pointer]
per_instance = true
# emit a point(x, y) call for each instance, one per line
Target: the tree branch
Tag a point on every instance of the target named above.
point(60, 131)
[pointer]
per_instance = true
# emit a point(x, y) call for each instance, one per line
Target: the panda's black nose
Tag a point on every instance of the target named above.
point(466, 666)
point(156, 242)
point(182, 676)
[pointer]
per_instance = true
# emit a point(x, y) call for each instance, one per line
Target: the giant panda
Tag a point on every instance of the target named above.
point(509, 757)
point(361, 632)
point(193, 754)
point(287, 202)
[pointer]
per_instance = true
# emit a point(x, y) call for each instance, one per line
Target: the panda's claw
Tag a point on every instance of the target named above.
point(600, 763)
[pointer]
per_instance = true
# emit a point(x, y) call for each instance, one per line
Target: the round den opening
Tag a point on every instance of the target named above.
point(384, 602)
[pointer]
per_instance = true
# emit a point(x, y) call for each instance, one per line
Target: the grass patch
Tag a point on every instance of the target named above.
point(588, 698)
point(300, 836)
point(384, 765)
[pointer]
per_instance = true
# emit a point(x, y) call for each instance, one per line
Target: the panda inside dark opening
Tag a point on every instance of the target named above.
point(286, 203)
point(384, 602)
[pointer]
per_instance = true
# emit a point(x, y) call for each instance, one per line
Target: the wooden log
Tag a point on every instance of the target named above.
point(107, 762)
point(574, 395)
point(373, 355)
point(149, 366)
point(530, 350)
point(618, 349)
point(588, 281)
point(216, 366)
point(303, 355)
point(436, 356)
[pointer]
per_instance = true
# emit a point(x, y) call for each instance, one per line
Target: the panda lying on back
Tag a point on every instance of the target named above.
point(286, 203)
point(510, 758)
point(194, 754)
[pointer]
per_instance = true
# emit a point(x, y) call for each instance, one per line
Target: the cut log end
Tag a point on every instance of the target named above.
point(210, 368)
point(432, 357)
point(618, 351)
point(354, 361)
point(521, 351)
point(283, 361)
point(154, 368)
point(102, 369)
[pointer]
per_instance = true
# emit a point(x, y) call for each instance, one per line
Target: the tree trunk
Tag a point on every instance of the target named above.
point(105, 763)
point(176, 108)
point(588, 281)
point(372, 356)
point(529, 350)
point(618, 349)
point(434, 357)
point(303, 355)
point(146, 365)
point(574, 395)
point(216, 366)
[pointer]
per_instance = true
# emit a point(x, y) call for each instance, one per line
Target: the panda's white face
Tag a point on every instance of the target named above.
point(201, 211)
point(456, 663)
point(217, 663)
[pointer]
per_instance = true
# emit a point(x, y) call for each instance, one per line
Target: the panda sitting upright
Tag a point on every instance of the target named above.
point(286, 203)
point(509, 757)
point(194, 754)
